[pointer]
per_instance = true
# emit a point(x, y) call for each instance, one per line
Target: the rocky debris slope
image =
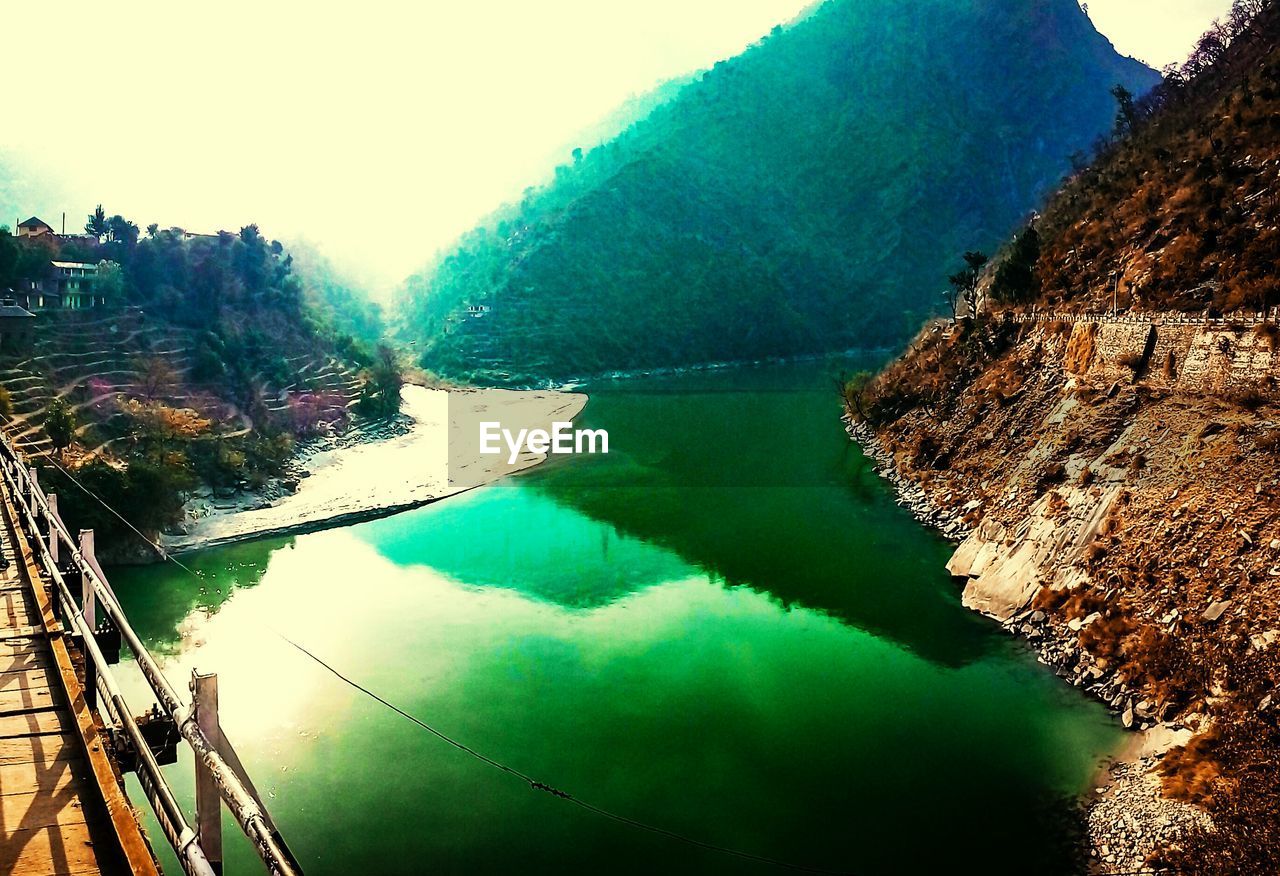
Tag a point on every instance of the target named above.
point(1131, 818)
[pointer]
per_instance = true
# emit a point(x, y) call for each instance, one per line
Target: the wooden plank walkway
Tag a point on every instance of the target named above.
point(62, 812)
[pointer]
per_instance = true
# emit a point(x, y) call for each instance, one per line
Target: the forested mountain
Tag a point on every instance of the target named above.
point(807, 195)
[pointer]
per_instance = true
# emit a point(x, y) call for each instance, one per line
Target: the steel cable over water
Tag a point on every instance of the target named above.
point(248, 814)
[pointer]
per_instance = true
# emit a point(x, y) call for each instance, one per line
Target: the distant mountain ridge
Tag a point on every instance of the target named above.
point(808, 195)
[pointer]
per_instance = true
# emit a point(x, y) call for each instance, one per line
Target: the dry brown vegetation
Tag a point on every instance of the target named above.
point(1184, 214)
point(1130, 359)
point(1270, 333)
point(1190, 772)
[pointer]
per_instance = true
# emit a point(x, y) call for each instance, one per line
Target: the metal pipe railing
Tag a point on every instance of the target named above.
point(242, 803)
point(169, 814)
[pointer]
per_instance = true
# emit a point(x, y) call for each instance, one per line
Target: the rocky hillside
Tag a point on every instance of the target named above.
point(802, 197)
point(1181, 208)
point(1114, 480)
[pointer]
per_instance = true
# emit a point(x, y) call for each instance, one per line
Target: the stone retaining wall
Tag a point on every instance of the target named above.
point(1169, 317)
point(1206, 357)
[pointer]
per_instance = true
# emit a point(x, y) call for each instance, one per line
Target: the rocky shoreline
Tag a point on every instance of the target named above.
point(206, 501)
point(1127, 818)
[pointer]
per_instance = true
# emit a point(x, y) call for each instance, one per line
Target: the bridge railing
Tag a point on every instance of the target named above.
point(220, 776)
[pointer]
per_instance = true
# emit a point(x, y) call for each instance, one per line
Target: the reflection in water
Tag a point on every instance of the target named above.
point(162, 600)
point(749, 476)
point(776, 665)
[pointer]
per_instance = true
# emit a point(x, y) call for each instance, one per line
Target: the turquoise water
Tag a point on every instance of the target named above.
point(725, 628)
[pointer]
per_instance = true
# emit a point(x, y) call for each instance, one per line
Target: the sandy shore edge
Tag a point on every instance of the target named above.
point(434, 455)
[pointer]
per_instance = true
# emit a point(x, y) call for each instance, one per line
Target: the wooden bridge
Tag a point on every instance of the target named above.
point(67, 736)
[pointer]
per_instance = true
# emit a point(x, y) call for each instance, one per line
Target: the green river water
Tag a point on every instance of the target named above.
point(726, 628)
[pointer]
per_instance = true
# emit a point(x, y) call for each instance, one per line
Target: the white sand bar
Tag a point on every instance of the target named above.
point(437, 457)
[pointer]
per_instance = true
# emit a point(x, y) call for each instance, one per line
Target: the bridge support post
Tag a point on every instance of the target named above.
point(89, 608)
point(88, 603)
point(54, 541)
point(55, 545)
point(204, 697)
point(33, 484)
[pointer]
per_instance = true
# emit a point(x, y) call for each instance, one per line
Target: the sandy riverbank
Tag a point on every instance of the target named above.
point(436, 456)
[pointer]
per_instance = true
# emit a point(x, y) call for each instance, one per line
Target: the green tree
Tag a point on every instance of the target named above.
point(110, 282)
point(97, 224)
point(60, 424)
point(1126, 111)
point(10, 256)
point(380, 396)
point(853, 390)
point(1015, 280)
point(120, 230)
point(964, 284)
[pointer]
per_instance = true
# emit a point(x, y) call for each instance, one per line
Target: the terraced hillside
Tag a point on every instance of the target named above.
point(95, 360)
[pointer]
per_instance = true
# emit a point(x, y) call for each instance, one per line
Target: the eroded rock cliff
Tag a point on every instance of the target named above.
point(1115, 488)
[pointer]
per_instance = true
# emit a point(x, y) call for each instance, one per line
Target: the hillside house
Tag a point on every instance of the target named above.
point(69, 286)
point(15, 326)
point(32, 295)
point(76, 284)
point(34, 227)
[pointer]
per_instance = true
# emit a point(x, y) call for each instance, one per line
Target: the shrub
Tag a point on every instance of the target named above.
point(1093, 553)
point(1268, 441)
point(852, 390)
point(60, 424)
point(1130, 359)
point(1054, 473)
point(1250, 398)
point(1189, 772)
point(927, 452)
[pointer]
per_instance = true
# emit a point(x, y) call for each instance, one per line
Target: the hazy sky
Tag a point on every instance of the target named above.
point(1155, 31)
point(380, 130)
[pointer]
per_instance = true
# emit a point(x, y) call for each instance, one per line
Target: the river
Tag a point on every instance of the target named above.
point(725, 628)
